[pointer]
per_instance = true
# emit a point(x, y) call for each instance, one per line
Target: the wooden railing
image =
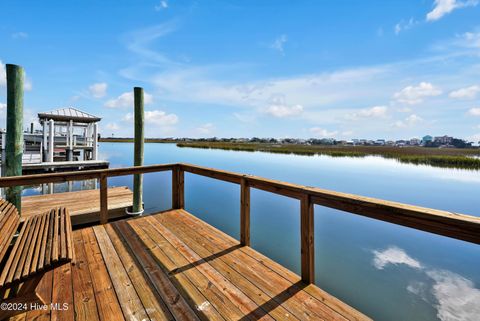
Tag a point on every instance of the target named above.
point(458, 226)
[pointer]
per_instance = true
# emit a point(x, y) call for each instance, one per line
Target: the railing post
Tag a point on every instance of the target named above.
point(244, 213)
point(103, 199)
point(178, 188)
point(307, 241)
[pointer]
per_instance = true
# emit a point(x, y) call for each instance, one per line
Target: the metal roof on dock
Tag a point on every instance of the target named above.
point(69, 113)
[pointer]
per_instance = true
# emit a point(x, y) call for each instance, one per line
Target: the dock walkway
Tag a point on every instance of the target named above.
point(173, 266)
point(84, 206)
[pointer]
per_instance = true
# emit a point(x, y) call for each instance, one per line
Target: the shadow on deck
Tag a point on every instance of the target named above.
point(173, 266)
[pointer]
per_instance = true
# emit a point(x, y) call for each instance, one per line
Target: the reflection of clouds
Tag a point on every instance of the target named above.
point(456, 297)
point(394, 255)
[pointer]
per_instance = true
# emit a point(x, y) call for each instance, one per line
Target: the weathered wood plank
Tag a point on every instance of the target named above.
point(62, 295)
point(44, 290)
point(175, 302)
point(262, 271)
point(127, 296)
point(84, 206)
point(105, 296)
point(232, 294)
point(152, 301)
point(205, 297)
point(84, 297)
point(216, 259)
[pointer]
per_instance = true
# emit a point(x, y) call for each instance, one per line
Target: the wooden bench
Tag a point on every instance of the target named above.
point(43, 243)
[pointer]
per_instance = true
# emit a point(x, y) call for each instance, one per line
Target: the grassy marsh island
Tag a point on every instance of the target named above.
point(461, 158)
point(464, 158)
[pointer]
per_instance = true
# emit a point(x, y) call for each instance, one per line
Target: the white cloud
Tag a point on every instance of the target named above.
point(155, 117)
point(416, 94)
point(206, 129)
point(161, 6)
point(457, 296)
point(465, 93)
point(321, 132)
point(470, 39)
point(98, 90)
point(112, 126)
point(443, 7)
point(409, 121)
point(372, 112)
point(127, 100)
point(281, 111)
point(405, 25)
point(278, 108)
point(394, 255)
point(139, 41)
point(279, 43)
point(474, 111)
point(20, 35)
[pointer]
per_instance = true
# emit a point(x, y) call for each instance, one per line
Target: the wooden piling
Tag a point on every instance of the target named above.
point(138, 149)
point(14, 139)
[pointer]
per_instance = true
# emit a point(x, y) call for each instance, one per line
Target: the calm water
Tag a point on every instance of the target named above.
point(386, 271)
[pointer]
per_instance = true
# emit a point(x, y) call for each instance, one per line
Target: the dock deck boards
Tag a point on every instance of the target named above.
point(173, 266)
point(84, 206)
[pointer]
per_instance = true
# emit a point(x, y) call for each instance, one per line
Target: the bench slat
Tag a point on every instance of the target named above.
point(26, 249)
point(43, 247)
point(14, 257)
point(45, 241)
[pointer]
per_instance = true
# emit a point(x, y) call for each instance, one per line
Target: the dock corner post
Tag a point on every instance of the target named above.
point(178, 188)
point(307, 239)
point(14, 137)
point(244, 213)
point(138, 149)
point(103, 199)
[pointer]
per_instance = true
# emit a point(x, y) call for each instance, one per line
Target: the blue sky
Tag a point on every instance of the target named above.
point(343, 69)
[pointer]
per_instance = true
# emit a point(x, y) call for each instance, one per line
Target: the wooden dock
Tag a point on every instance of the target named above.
point(64, 166)
point(173, 266)
point(84, 206)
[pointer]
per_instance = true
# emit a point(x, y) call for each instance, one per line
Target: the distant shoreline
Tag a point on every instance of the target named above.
point(438, 157)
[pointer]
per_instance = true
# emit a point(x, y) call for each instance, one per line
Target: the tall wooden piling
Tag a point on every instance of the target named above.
point(138, 150)
point(14, 139)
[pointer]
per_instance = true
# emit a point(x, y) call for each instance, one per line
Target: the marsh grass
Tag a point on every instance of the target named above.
point(438, 157)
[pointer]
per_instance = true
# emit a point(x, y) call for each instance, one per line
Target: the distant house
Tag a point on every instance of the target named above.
point(427, 139)
point(390, 143)
point(443, 140)
point(415, 141)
